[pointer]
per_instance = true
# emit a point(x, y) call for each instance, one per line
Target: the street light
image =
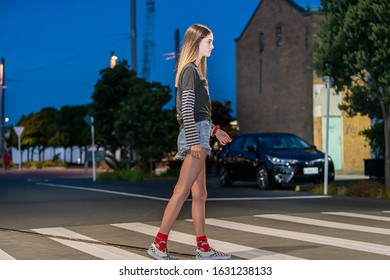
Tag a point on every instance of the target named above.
point(113, 60)
point(2, 107)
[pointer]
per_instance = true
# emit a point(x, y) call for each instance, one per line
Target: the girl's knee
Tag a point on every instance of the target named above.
point(199, 196)
point(181, 193)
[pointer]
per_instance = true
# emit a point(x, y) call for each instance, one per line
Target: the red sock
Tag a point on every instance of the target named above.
point(202, 243)
point(161, 240)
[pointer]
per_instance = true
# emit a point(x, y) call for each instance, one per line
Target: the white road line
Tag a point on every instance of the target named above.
point(306, 237)
point(235, 249)
point(268, 198)
point(104, 191)
point(320, 223)
point(97, 250)
point(5, 256)
point(356, 215)
point(167, 199)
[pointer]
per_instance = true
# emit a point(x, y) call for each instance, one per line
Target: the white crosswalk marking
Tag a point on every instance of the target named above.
point(235, 249)
point(306, 237)
point(97, 250)
point(277, 230)
point(356, 215)
point(5, 256)
point(320, 223)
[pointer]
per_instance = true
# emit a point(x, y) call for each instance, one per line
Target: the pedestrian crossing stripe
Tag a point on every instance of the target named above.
point(92, 247)
point(306, 237)
point(241, 251)
point(320, 223)
point(98, 250)
point(356, 215)
point(5, 256)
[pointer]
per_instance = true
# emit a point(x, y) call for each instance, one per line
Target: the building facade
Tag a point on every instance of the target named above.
point(278, 91)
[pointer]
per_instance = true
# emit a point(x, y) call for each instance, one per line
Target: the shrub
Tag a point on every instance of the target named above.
point(121, 175)
point(43, 164)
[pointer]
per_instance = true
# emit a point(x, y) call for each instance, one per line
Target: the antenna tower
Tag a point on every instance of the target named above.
point(148, 43)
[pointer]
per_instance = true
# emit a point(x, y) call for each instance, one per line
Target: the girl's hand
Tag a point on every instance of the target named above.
point(195, 151)
point(223, 137)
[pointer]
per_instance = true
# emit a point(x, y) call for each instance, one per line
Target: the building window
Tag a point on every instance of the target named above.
point(261, 49)
point(261, 41)
point(279, 39)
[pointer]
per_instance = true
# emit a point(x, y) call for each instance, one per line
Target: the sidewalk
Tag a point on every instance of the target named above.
point(350, 175)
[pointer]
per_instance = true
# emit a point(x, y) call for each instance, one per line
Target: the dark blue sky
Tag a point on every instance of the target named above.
point(54, 50)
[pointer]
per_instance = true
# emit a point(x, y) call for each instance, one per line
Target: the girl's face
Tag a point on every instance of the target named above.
point(206, 46)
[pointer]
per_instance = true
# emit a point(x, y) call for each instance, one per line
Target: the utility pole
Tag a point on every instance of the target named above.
point(133, 36)
point(2, 91)
point(177, 46)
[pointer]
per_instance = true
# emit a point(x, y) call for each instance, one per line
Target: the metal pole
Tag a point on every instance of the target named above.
point(133, 36)
point(177, 46)
point(93, 151)
point(20, 153)
point(2, 92)
point(326, 171)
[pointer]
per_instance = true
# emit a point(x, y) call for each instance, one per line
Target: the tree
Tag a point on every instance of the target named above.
point(129, 113)
point(353, 47)
point(114, 86)
point(146, 127)
point(39, 128)
point(73, 127)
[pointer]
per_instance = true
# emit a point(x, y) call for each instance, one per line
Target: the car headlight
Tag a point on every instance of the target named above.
point(284, 161)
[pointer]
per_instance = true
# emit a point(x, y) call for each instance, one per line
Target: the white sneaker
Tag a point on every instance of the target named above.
point(211, 254)
point(157, 254)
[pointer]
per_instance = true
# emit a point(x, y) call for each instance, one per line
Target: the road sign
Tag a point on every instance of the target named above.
point(18, 130)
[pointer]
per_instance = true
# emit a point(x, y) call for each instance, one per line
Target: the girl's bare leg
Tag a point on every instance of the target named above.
point(189, 173)
point(199, 196)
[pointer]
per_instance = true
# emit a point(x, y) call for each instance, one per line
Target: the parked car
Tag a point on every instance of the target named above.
point(271, 159)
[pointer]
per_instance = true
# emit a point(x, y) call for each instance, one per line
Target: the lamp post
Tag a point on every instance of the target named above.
point(2, 128)
point(113, 60)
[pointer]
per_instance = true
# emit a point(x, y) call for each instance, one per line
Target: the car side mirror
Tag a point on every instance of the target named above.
point(250, 149)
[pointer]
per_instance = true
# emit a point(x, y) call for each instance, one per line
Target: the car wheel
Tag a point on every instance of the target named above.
point(262, 178)
point(224, 177)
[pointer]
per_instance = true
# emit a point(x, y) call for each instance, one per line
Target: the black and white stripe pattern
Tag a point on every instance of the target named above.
point(188, 104)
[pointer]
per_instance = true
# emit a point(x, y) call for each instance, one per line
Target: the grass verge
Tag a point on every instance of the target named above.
point(366, 188)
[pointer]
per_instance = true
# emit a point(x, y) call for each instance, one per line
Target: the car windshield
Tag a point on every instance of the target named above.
point(282, 142)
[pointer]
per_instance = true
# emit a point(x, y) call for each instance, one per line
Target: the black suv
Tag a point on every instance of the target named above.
point(271, 159)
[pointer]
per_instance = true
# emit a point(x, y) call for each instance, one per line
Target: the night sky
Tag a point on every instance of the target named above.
point(54, 50)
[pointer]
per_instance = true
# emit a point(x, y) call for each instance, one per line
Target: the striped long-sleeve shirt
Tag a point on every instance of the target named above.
point(193, 101)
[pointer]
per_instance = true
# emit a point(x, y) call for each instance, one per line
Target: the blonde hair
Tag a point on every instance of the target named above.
point(190, 49)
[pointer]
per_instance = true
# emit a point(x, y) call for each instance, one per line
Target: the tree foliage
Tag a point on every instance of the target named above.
point(129, 113)
point(53, 128)
point(353, 47)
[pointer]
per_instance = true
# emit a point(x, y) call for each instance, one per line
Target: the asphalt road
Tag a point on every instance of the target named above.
point(63, 214)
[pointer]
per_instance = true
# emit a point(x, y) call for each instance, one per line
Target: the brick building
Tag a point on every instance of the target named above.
point(277, 91)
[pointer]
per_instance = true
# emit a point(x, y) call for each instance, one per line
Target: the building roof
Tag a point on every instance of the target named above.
point(290, 2)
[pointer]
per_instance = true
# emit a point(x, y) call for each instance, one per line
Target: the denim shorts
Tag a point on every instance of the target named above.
point(204, 133)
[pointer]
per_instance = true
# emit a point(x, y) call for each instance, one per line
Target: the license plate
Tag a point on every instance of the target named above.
point(310, 170)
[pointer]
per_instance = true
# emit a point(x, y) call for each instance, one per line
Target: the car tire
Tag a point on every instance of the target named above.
point(262, 178)
point(224, 177)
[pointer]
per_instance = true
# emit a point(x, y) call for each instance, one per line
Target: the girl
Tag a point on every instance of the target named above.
point(194, 116)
